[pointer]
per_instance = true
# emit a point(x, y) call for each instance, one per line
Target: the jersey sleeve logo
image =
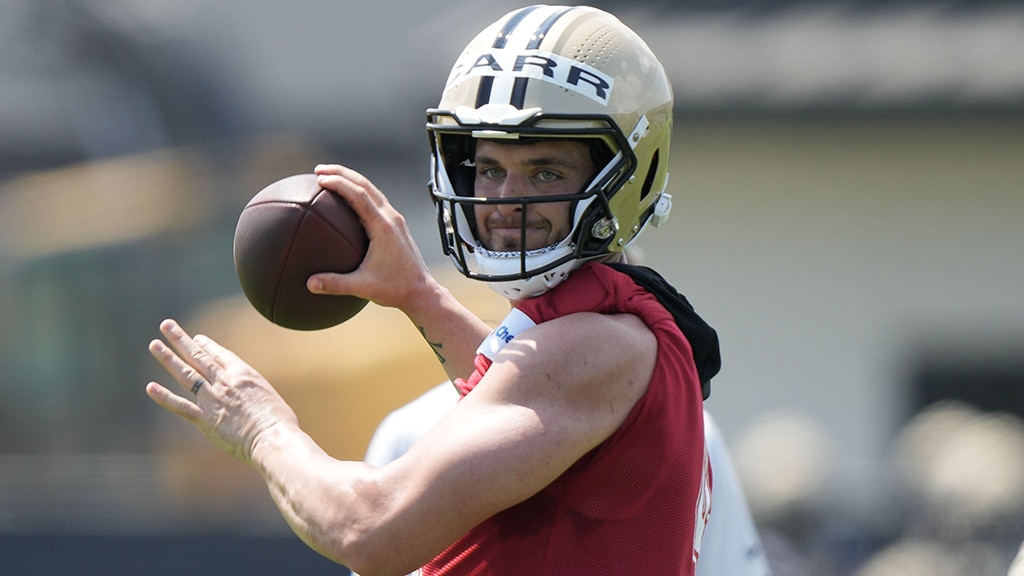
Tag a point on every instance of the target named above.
point(513, 324)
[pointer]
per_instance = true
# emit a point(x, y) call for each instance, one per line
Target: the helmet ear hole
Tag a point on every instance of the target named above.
point(600, 153)
point(652, 173)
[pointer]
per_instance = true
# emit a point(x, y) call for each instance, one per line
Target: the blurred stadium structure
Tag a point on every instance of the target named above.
point(87, 78)
point(849, 193)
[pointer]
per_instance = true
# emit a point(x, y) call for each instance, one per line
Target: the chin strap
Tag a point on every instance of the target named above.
point(535, 285)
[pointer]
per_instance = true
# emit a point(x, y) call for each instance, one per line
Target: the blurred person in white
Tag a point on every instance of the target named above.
point(578, 444)
point(732, 545)
point(1017, 566)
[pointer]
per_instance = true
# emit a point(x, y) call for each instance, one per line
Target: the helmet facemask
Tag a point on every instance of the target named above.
point(524, 271)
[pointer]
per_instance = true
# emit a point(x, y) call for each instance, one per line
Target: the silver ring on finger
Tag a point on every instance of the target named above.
point(195, 387)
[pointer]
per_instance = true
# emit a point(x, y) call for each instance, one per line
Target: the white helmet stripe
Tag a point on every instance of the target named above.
point(483, 94)
point(518, 96)
point(525, 30)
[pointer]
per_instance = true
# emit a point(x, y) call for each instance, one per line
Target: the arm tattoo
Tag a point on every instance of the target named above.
point(435, 346)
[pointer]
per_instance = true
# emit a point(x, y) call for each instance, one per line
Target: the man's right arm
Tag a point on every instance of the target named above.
point(394, 274)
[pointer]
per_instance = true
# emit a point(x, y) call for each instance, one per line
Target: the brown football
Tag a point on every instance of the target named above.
point(288, 231)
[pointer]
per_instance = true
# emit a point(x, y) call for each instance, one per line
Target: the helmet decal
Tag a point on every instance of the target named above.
point(519, 86)
point(506, 74)
point(513, 59)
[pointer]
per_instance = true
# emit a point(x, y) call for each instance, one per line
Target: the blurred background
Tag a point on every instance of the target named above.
point(848, 179)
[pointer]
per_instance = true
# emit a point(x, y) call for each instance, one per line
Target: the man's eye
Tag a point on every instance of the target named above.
point(547, 176)
point(492, 172)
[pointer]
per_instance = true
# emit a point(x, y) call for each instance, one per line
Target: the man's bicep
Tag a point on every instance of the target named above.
point(496, 452)
point(543, 404)
point(587, 369)
point(538, 410)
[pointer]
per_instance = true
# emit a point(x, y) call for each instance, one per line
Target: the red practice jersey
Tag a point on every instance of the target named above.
point(637, 503)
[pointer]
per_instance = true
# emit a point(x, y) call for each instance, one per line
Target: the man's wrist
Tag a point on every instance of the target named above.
point(270, 444)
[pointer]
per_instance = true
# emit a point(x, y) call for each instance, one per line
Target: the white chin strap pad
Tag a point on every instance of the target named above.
point(534, 285)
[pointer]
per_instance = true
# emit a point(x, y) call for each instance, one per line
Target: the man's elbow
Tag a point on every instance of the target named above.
point(367, 552)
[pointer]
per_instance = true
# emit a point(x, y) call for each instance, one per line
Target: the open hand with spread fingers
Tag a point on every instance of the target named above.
point(234, 405)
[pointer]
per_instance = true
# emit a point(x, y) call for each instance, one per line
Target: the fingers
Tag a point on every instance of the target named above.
point(393, 261)
point(367, 202)
point(184, 374)
point(174, 403)
point(192, 350)
point(234, 404)
point(187, 360)
point(220, 355)
point(327, 171)
point(355, 188)
point(188, 376)
point(347, 178)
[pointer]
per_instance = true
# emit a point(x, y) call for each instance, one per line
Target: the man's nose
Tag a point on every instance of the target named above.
point(514, 186)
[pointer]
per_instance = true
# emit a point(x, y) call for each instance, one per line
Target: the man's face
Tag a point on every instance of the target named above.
point(545, 168)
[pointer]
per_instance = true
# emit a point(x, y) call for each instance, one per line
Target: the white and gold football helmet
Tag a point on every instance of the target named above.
point(562, 72)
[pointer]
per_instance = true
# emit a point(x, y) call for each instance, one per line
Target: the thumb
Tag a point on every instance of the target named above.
point(331, 283)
